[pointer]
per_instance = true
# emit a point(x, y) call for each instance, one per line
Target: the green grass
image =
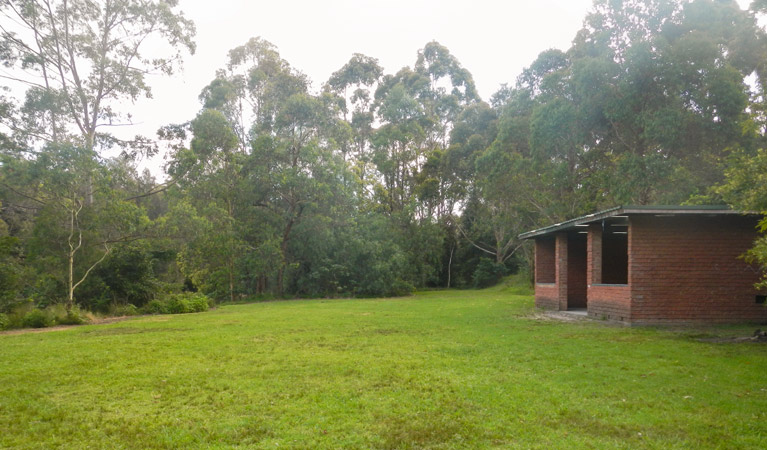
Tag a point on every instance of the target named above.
point(471, 369)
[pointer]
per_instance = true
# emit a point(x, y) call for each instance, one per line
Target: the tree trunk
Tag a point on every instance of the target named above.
point(231, 279)
point(499, 247)
point(73, 223)
point(71, 296)
point(450, 265)
point(230, 210)
point(284, 253)
point(297, 210)
point(280, 275)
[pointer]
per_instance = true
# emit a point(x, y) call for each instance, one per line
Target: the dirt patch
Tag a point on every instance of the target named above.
point(569, 317)
point(759, 337)
point(558, 316)
point(733, 340)
point(562, 317)
point(131, 330)
point(102, 321)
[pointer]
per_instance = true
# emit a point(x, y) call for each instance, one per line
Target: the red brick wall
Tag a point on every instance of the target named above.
point(561, 279)
point(610, 302)
point(576, 271)
point(545, 264)
point(546, 296)
point(594, 255)
point(687, 269)
point(551, 294)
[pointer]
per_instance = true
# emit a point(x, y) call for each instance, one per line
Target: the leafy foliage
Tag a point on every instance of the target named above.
point(37, 318)
point(89, 57)
point(488, 273)
point(376, 184)
point(745, 189)
point(178, 304)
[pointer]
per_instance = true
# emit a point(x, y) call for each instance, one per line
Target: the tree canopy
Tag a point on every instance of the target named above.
point(374, 184)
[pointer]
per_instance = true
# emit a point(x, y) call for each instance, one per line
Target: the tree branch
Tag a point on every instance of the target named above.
point(465, 235)
point(28, 197)
point(87, 272)
point(161, 188)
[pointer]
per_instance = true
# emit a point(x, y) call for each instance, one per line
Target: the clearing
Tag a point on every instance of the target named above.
point(441, 369)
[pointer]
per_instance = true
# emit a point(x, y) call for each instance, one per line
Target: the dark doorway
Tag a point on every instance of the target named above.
point(576, 270)
point(615, 256)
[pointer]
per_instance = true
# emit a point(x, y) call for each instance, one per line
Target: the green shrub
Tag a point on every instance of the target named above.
point(186, 302)
point(16, 315)
point(399, 288)
point(73, 317)
point(488, 273)
point(198, 302)
point(5, 321)
point(176, 305)
point(59, 315)
point(11, 270)
point(36, 319)
point(128, 274)
point(48, 290)
point(53, 315)
point(123, 310)
point(154, 307)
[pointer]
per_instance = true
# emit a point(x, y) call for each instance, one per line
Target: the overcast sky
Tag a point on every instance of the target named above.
point(493, 39)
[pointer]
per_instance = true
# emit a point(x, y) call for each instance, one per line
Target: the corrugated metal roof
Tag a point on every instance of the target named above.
point(629, 210)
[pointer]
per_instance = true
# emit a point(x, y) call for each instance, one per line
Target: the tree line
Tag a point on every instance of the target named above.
point(374, 185)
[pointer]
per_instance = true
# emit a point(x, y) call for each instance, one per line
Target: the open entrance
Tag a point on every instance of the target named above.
point(576, 270)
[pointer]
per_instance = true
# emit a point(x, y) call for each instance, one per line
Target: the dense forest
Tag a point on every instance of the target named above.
point(374, 185)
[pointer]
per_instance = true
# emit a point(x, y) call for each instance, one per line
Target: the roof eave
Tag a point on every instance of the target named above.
point(633, 210)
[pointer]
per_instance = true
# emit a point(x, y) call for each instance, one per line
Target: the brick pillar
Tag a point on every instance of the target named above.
point(594, 255)
point(561, 278)
point(629, 237)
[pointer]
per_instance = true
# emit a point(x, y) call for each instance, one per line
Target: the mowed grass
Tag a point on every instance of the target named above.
point(451, 369)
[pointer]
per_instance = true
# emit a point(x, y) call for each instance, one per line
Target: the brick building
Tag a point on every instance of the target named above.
point(651, 265)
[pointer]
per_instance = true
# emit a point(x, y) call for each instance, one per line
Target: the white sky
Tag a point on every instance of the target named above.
point(494, 40)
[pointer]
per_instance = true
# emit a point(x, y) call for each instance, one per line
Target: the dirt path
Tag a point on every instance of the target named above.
point(103, 321)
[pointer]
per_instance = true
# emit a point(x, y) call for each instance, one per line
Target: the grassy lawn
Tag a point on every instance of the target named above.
point(471, 369)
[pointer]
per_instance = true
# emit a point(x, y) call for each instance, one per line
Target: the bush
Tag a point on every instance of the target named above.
point(5, 321)
point(187, 302)
point(198, 302)
point(488, 273)
point(176, 305)
point(16, 315)
point(154, 307)
point(123, 310)
point(128, 274)
point(36, 319)
point(11, 270)
point(48, 290)
point(59, 315)
point(73, 317)
point(125, 277)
